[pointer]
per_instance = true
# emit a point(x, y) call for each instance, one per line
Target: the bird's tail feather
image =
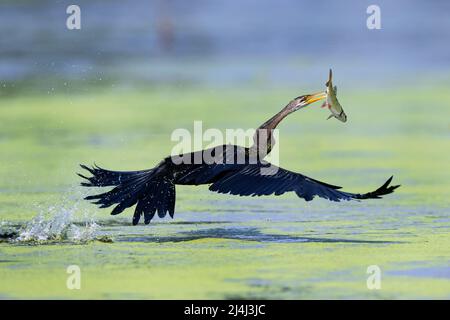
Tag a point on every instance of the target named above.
point(150, 192)
point(386, 188)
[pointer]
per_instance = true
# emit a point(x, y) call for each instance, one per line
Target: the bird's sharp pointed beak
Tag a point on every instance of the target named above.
point(315, 97)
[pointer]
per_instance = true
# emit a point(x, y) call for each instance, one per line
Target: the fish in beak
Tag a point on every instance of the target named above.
point(332, 102)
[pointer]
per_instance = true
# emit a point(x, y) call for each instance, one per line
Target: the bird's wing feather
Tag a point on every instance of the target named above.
point(249, 180)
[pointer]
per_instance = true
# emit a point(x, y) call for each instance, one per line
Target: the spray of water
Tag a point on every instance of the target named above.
point(57, 227)
point(56, 224)
point(7, 231)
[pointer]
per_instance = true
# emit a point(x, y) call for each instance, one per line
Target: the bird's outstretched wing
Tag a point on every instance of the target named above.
point(259, 179)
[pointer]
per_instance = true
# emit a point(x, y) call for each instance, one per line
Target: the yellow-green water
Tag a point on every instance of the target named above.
point(219, 246)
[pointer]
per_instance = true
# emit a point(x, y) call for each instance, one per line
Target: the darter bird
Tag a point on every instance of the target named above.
point(230, 169)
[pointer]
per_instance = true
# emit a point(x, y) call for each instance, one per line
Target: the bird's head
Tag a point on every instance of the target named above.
point(307, 99)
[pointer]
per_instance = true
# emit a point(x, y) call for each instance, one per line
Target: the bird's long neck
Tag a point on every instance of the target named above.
point(263, 140)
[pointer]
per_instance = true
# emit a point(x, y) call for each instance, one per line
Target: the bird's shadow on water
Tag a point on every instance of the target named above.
point(248, 234)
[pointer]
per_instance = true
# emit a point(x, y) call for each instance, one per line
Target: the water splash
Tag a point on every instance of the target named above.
point(55, 224)
point(7, 231)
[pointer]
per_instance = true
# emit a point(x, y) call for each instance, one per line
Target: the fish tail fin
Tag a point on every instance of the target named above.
point(330, 78)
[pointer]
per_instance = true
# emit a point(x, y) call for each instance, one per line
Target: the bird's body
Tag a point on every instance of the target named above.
point(229, 169)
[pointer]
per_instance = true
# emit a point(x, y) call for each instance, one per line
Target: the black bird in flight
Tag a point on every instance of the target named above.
point(227, 169)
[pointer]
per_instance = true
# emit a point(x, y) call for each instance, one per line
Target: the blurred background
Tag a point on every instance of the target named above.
point(219, 43)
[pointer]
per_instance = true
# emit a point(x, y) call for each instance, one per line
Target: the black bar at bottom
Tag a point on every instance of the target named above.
point(215, 309)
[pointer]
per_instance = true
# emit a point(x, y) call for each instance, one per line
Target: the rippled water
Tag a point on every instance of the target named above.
point(220, 246)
